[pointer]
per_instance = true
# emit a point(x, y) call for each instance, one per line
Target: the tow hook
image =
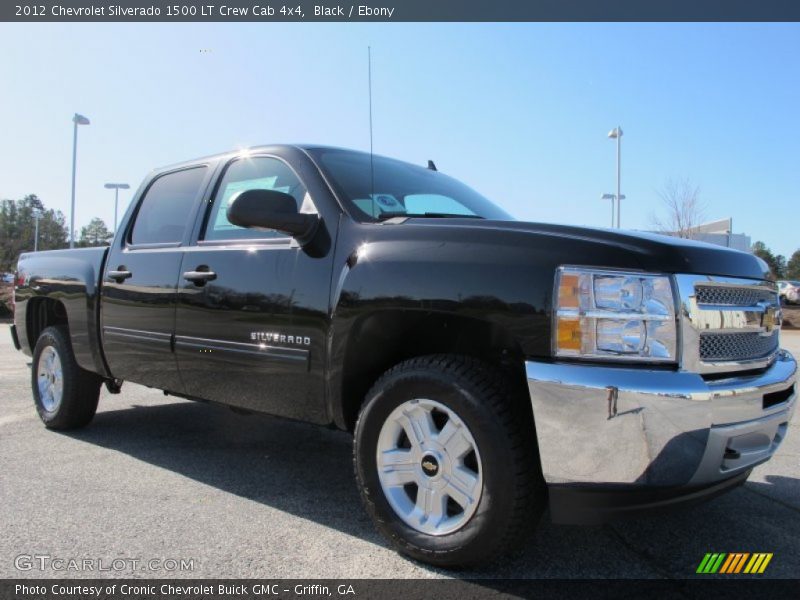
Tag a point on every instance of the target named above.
point(114, 386)
point(731, 454)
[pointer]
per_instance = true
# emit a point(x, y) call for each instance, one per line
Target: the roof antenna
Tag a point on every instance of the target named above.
point(371, 161)
point(432, 165)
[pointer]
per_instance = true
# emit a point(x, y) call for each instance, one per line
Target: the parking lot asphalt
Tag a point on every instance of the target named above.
point(154, 477)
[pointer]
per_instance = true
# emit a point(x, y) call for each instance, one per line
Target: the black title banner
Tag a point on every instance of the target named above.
point(397, 10)
point(407, 589)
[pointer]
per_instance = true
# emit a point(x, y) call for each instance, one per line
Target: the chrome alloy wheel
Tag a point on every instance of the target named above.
point(50, 379)
point(429, 467)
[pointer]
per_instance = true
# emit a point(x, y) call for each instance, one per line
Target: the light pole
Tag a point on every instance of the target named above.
point(37, 214)
point(616, 134)
point(76, 120)
point(611, 197)
point(116, 187)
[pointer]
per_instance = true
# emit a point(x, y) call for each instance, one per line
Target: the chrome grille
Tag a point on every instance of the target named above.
point(726, 347)
point(727, 324)
point(733, 296)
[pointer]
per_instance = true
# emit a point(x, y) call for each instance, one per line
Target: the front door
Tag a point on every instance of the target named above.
point(252, 305)
point(140, 281)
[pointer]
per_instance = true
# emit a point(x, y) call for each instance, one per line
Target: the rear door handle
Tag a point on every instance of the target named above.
point(119, 275)
point(199, 277)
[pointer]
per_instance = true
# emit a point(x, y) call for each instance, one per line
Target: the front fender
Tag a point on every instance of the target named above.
point(491, 291)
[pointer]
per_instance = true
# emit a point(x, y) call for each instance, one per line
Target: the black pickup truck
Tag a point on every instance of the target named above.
point(486, 366)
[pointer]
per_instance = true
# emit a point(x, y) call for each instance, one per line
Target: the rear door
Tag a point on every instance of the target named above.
point(139, 292)
point(253, 305)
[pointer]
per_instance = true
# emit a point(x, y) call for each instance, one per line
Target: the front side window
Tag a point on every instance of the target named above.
point(252, 173)
point(377, 188)
point(164, 212)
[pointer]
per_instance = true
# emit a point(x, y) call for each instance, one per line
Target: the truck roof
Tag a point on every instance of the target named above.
point(250, 149)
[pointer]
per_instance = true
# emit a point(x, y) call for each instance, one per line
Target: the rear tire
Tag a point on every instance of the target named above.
point(452, 429)
point(65, 395)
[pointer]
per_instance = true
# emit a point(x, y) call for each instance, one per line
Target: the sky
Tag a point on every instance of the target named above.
point(520, 112)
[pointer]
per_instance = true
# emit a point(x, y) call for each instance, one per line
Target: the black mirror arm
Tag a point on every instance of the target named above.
point(301, 226)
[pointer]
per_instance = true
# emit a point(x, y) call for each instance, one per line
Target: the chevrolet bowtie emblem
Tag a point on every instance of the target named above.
point(771, 319)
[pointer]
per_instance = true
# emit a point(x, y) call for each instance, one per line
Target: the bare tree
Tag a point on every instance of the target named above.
point(684, 211)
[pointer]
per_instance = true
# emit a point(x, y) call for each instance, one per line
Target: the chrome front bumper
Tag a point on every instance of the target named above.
point(635, 429)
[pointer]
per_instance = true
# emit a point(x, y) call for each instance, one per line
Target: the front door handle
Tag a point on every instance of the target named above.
point(200, 277)
point(120, 275)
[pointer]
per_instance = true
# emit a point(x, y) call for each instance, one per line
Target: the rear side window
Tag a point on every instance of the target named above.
point(253, 173)
point(164, 212)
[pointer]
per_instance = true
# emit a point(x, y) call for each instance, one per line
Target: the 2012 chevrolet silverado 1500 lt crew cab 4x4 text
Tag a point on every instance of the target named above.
point(485, 366)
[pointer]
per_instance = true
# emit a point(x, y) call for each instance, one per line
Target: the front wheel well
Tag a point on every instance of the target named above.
point(384, 339)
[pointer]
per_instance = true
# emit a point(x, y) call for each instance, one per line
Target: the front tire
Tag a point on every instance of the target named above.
point(65, 395)
point(446, 461)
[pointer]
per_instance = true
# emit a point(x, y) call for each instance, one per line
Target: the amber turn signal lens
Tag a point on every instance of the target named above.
point(568, 290)
point(569, 334)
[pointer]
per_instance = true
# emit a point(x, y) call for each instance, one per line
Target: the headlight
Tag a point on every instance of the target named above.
point(614, 315)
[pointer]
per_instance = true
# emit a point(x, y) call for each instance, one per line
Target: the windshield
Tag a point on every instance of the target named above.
point(400, 189)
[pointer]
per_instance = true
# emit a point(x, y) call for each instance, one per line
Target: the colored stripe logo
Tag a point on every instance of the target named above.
point(734, 563)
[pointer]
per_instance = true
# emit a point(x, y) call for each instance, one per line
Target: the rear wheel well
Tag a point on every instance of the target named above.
point(384, 339)
point(42, 313)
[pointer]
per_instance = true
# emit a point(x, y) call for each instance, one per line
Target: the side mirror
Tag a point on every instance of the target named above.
point(270, 209)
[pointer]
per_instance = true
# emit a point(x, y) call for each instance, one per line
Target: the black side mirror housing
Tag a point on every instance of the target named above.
point(270, 209)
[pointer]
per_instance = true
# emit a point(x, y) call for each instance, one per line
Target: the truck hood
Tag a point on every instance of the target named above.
point(648, 251)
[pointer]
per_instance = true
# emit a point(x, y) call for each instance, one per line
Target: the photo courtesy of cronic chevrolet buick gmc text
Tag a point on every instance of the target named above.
point(486, 366)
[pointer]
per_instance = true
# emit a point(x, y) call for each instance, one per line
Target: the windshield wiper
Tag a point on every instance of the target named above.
point(427, 215)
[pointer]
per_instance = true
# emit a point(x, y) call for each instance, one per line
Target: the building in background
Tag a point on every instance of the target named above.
point(719, 233)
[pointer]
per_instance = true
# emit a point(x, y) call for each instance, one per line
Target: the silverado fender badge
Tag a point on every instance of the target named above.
point(280, 338)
